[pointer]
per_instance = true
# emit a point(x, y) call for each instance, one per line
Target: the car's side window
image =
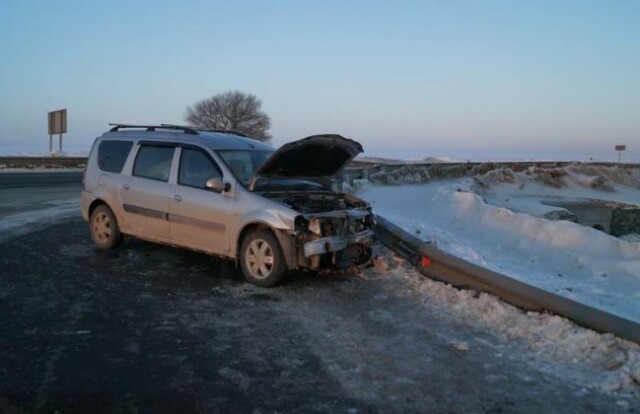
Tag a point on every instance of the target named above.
point(154, 162)
point(113, 154)
point(196, 168)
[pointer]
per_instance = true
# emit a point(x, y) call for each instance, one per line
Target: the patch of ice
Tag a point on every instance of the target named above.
point(23, 223)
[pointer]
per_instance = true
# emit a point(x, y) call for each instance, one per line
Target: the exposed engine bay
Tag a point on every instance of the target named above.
point(314, 203)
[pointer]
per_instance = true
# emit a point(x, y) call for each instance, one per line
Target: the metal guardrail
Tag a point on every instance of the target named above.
point(444, 267)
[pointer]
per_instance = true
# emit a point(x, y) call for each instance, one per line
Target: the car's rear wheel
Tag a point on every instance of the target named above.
point(261, 259)
point(103, 225)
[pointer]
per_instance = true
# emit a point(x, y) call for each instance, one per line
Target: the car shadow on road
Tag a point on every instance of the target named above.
point(150, 258)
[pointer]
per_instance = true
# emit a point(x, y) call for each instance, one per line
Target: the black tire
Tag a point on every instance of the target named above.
point(261, 259)
point(104, 229)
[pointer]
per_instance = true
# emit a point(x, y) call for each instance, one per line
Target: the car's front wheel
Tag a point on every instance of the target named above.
point(104, 228)
point(261, 259)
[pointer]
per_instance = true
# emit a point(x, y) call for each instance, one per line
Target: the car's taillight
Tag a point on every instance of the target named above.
point(84, 176)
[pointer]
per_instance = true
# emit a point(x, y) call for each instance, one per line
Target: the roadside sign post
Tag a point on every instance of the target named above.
point(57, 125)
point(620, 148)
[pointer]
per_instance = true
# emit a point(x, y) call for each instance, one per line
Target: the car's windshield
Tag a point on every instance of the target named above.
point(243, 163)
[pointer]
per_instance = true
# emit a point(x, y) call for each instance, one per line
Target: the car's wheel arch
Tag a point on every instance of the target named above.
point(284, 240)
point(97, 203)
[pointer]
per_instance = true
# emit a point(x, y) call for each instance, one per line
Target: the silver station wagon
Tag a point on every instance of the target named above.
point(226, 194)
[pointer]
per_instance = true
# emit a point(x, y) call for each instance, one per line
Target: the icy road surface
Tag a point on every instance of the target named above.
point(30, 208)
point(147, 328)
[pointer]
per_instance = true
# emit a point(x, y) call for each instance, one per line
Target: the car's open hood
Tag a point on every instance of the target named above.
point(312, 157)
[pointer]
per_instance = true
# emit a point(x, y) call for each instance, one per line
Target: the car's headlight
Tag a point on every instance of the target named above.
point(314, 226)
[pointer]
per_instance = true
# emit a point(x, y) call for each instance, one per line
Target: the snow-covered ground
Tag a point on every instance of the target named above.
point(531, 191)
point(495, 223)
point(551, 343)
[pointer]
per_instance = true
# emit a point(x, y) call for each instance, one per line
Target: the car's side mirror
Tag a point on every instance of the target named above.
point(216, 185)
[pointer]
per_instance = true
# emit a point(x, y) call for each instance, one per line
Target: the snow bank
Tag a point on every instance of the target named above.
point(558, 234)
point(559, 256)
point(527, 191)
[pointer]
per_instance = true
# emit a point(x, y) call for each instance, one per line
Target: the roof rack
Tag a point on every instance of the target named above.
point(186, 130)
point(226, 131)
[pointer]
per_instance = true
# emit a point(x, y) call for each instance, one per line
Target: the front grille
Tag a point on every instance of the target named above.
point(332, 227)
point(357, 225)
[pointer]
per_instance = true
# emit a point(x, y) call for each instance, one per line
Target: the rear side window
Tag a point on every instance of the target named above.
point(153, 162)
point(196, 168)
point(113, 154)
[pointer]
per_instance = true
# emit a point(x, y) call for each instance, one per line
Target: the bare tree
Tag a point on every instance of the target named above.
point(232, 111)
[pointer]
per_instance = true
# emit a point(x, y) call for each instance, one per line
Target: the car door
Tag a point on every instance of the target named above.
point(145, 195)
point(199, 218)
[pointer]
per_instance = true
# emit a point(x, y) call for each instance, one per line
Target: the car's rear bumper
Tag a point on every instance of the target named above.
point(86, 198)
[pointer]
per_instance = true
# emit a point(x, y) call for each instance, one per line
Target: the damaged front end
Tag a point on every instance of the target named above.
point(332, 229)
point(326, 236)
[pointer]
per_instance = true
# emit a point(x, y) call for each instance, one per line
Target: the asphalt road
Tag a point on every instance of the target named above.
point(147, 328)
point(20, 200)
point(42, 179)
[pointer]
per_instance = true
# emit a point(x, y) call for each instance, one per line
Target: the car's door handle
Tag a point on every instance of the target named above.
point(125, 186)
point(177, 197)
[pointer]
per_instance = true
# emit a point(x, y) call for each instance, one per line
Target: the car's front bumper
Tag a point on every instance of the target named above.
point(336, 243)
